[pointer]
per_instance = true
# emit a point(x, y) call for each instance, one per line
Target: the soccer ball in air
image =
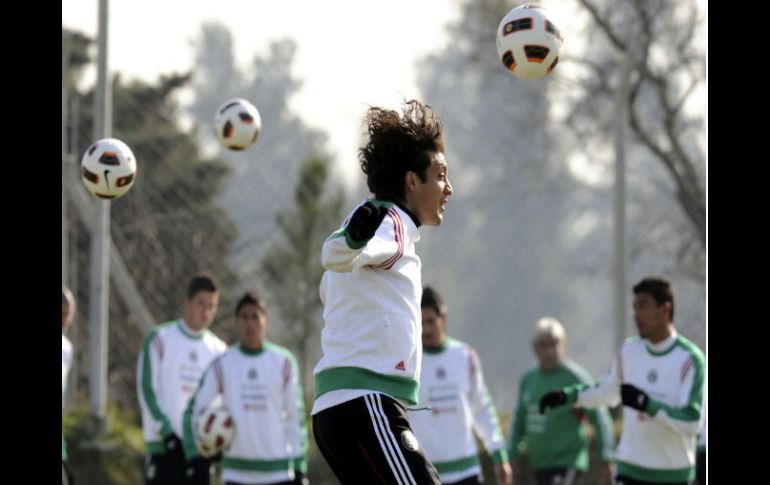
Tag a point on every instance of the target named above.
point(214, 431)
point(528, 42)
point(237, 124)
point(108, 168)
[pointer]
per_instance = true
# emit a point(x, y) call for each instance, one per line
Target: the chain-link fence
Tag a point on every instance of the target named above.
point(255, 219)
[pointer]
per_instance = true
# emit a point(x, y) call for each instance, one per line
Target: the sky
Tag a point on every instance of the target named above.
point(351, 54)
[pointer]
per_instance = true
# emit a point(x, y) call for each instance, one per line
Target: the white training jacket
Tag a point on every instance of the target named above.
point(452, 386)
point(659, 443)
point(261, 390)
point(171, 363)
point(372, 331)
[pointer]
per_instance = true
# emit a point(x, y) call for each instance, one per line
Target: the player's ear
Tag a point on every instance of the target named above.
point(666, 307)
point(411, 180)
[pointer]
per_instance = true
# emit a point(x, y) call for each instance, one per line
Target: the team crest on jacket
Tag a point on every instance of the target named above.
point(652, 376)
point(252, 374)
point(409, 440)
point(440, 373)
point(193, 356)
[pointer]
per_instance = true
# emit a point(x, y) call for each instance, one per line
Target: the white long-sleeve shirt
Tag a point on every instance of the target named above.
point(658, 444)
point(171, 363)
point(262, 392)
point(372, 331)
point(66, 364)
point(452, 385)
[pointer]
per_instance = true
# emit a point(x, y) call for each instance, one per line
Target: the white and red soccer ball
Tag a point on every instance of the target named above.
point(237, 124)
point(528, 42)
point(108, 168)
point(214, 431)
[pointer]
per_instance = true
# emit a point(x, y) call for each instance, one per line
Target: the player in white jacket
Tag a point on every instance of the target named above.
point(659, 377)
point(67, 314)
point(171, 363)
point(371, 294)
point(452, 386)
point(259, 384)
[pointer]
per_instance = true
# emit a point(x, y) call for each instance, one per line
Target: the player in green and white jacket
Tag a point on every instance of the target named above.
point(259, 385)
point(67, 314)
point(171, 363)
point(371, 291)
point(452, 385)
point(659, 378)
point(557, 444)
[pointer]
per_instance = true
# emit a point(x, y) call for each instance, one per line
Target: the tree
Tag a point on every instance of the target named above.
point(262, 177)
point(519, 224)
point(168, 226)
point(527, 233)
point(171, 225)
point(75, 53)
point(292, 265)
point(662, 42)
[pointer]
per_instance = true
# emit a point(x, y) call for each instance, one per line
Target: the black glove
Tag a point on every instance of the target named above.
point(173, 443)
point(634, 397)
point(365, 221)
point(552, 399)
point(300, 478)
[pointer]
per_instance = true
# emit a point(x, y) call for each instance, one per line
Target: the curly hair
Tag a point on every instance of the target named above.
point(399, 144)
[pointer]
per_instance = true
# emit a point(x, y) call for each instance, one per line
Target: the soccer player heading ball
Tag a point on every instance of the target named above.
point(371, 293)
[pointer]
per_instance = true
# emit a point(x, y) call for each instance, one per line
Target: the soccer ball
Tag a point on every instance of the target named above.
point(528, 42)
point(214, 431)
point(237, 124)
point(108, 168)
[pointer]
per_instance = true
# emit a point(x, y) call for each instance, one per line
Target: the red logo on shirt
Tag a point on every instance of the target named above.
point(400, 366)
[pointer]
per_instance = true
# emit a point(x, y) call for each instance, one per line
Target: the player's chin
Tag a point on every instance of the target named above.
point(435, 220)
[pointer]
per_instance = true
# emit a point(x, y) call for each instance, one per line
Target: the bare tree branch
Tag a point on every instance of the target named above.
point(661, 127)
point(604, 24)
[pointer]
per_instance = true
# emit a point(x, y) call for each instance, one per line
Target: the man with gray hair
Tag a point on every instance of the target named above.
point(557, 443)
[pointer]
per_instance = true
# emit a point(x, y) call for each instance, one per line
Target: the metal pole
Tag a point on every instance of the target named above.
point(65, 183)
point(620, 204)
point(100, 243)
point(66, 47)
point(72, 180)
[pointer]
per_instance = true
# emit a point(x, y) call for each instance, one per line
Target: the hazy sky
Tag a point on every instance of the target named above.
point(350, 53)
